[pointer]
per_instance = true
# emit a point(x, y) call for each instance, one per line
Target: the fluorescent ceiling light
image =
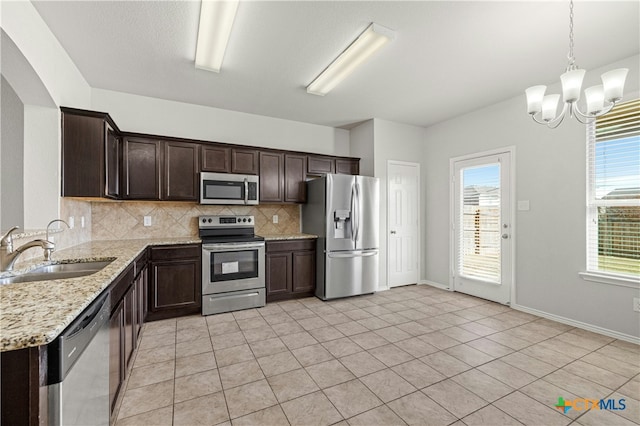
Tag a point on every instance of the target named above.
point(216, 20)
point(367, 43)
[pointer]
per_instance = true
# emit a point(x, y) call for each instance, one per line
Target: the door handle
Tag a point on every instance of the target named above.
point(393, 232)
point(505, 236)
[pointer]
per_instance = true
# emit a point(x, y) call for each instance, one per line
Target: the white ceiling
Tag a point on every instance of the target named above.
point(448, 57)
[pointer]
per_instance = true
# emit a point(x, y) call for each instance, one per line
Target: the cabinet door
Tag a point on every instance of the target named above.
point(116, 353)
point(318, 165)
point(141, 164)
point(216, 159)
point(304, 271)
point(141, 300)
point(112, 164)
point(175, 289)
point(278, 273)
point(130, 336)
point(347, 167)
point(180, 178)
point(244, 161)
point(271, 177)
point(82, 156)
point(295, 172)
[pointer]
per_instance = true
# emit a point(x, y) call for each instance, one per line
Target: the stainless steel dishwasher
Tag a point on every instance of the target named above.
point(78, 369)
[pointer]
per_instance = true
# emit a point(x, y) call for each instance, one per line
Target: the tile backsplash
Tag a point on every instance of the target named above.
point(125, 220)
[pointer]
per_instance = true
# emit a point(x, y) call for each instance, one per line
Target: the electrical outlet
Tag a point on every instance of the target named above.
point(636, 304)
point(71, 222)
point(147, 221)
point(275, 218)
point(82, 222)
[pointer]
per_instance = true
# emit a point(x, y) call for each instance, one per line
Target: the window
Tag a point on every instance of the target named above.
point(613, 217)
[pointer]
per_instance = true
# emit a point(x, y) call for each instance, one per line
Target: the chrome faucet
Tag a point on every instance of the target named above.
point(49, 251)
point(8, 255)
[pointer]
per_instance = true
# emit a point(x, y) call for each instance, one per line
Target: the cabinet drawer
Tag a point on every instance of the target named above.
point(290, 245)
point(227, 302)
point(175, 252)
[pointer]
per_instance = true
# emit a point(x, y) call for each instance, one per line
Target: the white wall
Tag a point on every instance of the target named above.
point(361, 138)
point(11, 158)
point(44, 78)
point(376, 142)
point(551, 237)
point(142, 114)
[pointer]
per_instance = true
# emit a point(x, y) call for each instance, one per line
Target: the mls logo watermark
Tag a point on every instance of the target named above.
point(583, 404)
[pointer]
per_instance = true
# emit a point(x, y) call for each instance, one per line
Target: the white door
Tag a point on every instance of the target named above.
point(403, 212)
point(481, 226)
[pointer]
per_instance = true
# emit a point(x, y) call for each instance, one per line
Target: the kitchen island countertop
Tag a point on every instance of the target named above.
point(35, 313)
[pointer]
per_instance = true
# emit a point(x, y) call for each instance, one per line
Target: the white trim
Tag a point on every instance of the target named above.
point(434, 284)
point(610, 279)
point(579, 324)
point(418, 215)
point(511, 150)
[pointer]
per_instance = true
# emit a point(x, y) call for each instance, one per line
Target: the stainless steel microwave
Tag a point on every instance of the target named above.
point(224, 188)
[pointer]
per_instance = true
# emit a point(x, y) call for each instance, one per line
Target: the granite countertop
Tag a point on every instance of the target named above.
point(298, 236)
point(35, 313)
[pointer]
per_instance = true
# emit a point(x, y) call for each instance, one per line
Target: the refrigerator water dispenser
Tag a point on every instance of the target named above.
point(340, 219)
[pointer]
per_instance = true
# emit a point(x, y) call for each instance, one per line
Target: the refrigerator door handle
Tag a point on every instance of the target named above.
point(352, 254)
point(357, 213)
point(353, 214)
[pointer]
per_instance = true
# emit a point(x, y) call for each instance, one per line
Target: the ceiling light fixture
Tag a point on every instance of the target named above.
point(216, 20)
point(610, 91)
point(367, 43)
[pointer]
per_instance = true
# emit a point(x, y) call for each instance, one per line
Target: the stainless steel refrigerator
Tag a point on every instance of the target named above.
point(343, 211)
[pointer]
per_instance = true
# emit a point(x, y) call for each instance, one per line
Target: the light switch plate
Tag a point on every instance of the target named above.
point(147, 221)
point(275, 218)
point(523, 205)
point(72, 222)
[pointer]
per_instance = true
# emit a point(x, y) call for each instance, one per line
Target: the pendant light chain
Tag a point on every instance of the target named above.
point(572, 59)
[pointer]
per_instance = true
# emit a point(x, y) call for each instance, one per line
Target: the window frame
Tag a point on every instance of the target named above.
point(592, 272)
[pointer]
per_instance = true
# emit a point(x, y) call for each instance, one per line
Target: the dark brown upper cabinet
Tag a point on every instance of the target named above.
point(271, 177)
point(319, 165)
point(141, 169)
point(295, 172)
point(216, 159)
point(244, 161)
point(347, 166)
point(90, 154)
point(180, 177)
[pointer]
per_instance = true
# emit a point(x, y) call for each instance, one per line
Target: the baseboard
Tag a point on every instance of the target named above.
point(579, 324)
point(434, 284)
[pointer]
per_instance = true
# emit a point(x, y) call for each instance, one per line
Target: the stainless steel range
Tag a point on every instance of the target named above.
point(232, 264)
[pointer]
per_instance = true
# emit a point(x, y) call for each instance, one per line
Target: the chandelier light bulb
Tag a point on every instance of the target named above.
point(572, 84)
point(534, 98)
point(549, 107)
point(613, 82)
point(595, 99)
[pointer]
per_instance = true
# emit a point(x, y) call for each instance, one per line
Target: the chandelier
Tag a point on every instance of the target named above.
point(599, 99)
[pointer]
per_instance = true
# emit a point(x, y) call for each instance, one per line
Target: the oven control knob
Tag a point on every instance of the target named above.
point(210, 220)
point(249, 220)
point(204, 220)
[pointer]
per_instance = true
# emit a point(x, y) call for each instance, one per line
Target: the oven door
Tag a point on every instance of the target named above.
point(232, 266)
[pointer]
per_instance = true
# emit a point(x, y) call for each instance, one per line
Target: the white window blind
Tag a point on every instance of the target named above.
point(479, 247)
point(613, 216)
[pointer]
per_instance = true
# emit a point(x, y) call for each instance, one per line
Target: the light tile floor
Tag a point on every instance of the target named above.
point(411, 355)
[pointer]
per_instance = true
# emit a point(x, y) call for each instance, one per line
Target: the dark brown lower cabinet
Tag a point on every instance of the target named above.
point(175, 281)
point(290, 269)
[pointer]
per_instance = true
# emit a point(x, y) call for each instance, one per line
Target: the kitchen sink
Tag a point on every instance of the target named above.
point(58, 271)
